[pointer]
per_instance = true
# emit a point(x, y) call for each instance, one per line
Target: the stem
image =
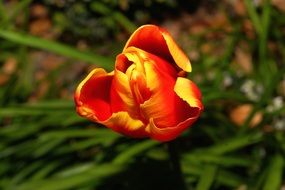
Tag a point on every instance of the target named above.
point(175, 165)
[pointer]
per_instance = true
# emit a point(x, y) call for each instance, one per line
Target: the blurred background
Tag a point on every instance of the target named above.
point(237, 50)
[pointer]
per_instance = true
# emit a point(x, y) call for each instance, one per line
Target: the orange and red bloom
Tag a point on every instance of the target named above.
point(147, 94)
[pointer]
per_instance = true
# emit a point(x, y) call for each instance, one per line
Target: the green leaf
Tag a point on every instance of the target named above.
point(116, 15)
point(233, 144)
point(45, 170)
point(75, 133)
point(46, 146)
point(57, 48)
point(228, 178)
point(253, 16)
point(25, 172)
point(223, 177)
point(20, 6)
point(128, 154)
point(93, 176)
point(225, 161)
point(51, 104)
point(124, 21)
point(207, 177)
point(275, 173)
point(23, 111)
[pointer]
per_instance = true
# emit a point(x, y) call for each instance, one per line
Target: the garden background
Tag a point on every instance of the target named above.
point(237, 51)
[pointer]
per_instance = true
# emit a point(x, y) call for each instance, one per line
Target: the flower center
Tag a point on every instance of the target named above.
point(138, 84)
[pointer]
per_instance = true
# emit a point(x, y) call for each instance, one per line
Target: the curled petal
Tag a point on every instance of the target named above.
point(139, 87)
point(161, 106)
point(174, 108)
point(123, 123)
point(158, 41)
point(189, 92)
point(121, 95)
point(168, 133)
point(122, 98)
point(92, 96)
point(164, 105)
point(135, 73)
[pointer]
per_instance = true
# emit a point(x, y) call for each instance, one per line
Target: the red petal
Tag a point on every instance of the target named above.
point(122, 98)
point(92, 96)
point(168, 133)
point(191, 95)
point(123, 123)
point(159, 42)
point(189, 92)
point(129, 84)
point(165, 107)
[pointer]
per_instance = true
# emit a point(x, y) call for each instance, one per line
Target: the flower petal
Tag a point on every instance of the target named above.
point(121, 94)
point(124, 90)
point(121, 122)
point(189, 92)
point(92, 96)
point(174, 101)
point(158, 41)
point(165, 107)
point(168, 133)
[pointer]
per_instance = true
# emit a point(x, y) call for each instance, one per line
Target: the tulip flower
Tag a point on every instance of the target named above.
point(147, 94)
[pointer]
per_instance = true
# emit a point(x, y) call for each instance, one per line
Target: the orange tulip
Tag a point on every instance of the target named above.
point(146, 95)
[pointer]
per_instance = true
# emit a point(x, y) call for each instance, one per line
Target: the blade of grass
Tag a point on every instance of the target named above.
point(44, 171)
point(25, 172)
point(3, 15)
point(265, 21)
point(25, 85)
point(207, 177)
point(117, 16)
point(253, 16)
point(46, 146)
point(229, 178)
point(57, 48)
point(21, 149)
point(275, 173)
point(258, 182)
point(74, 170)
point(73, 120)
point(225, 161)
point(76, 133)
point(124, 21)
point(126, 155)
point(83, 144)
point(157, 154)
point(262, 24)
point(265, 69)
point(4, 167)
point(210, 96)
point(223, 177)
point(232, 144)
point(16, 10)
point(230, 46)
point(15, 112)
point(94, 175)
point(16, 132)
point(51, 104)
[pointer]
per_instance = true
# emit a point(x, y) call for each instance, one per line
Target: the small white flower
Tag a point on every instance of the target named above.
point(279, 124)
point(277, 103)
point(228, 80)
point(252, 90)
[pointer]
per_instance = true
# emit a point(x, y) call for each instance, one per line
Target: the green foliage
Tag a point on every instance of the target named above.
point(35, 42)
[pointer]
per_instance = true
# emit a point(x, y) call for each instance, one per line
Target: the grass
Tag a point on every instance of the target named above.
point(46, 145)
